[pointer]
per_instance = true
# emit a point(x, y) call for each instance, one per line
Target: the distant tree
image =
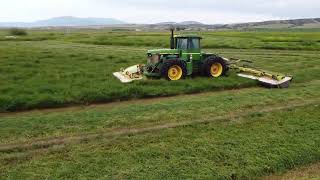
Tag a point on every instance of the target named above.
point(17, 32)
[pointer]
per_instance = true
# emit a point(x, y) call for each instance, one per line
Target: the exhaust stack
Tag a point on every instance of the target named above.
point(172, 38)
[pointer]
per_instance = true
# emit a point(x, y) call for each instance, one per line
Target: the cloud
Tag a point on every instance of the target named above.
point(146, 11)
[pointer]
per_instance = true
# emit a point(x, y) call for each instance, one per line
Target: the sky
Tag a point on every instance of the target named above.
point(154, 11)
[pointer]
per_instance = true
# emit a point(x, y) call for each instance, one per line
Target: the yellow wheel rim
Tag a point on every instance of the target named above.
point(175, 73)
point(216, 69)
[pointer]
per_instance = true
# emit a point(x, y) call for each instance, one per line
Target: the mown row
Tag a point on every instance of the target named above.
point(46, 74)
point(230, 40)
point(249, 146)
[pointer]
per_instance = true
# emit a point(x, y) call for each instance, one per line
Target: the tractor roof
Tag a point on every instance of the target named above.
point(188, 36)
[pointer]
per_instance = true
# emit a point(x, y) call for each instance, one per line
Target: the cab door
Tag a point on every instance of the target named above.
point(183, 45)
point(193, 54)
point(194, 49)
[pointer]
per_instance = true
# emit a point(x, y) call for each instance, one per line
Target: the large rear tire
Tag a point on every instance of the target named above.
point(174, 70)
point(215, 67)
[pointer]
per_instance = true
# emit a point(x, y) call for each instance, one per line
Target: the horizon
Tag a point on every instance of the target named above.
point(155, 22)
point(145, 12)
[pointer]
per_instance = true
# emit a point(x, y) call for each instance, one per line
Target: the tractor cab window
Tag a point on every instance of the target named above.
point(194, 43)
point(182, 43)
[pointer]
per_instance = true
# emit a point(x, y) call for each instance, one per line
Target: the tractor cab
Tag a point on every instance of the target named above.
point(188, 45)
point(184, 58)
point(187, 42)
point(185, 49)
point(190, 50)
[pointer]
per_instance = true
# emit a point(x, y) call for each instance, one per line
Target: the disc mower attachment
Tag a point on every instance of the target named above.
point(269, 82)
point(130, 74)
point(266, 78)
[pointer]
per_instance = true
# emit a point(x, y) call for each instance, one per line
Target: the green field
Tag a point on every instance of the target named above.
point(245, 133)
point(225, 128)
point(53, 69)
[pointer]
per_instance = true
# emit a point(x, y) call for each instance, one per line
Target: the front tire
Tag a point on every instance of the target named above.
point(174, 70)
point(215, 67)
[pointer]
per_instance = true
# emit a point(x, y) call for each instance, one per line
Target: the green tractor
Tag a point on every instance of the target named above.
point(185, 58)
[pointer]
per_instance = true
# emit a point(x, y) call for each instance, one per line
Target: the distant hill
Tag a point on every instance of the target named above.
point(65, 21)
point(276, 24)
point(190, 23)
point(68, 21)
point(166, 23)
point(180, 23)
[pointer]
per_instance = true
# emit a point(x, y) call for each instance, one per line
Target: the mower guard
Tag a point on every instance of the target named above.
point(130, 74)
point(267, 81)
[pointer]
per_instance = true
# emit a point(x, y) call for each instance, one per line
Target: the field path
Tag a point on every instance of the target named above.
point(57, 141)
point(307, 172)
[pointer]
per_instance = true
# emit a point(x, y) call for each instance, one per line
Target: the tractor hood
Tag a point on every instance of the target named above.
point(163, 51)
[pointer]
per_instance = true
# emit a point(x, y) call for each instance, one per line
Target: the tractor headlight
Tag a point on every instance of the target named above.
point(153, 59)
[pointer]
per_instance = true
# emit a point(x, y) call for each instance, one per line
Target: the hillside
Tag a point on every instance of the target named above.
point(180, 23)
point(65, 21)
point(294, 23)
point(310, 23)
